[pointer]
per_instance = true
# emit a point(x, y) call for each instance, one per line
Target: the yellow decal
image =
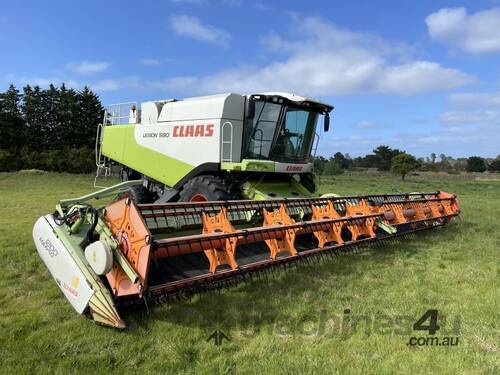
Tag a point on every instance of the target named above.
point(74, 282)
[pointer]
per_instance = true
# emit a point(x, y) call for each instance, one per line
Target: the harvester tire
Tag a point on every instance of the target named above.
point(139, 194)
point(127, 174)
point(205, 188)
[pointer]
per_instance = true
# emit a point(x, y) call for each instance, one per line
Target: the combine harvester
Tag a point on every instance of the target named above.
point(215, 188)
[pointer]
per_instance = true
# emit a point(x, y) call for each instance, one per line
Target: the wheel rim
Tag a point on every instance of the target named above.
point(198, 198)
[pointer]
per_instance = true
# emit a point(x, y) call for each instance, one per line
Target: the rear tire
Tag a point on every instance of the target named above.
point(205, 188)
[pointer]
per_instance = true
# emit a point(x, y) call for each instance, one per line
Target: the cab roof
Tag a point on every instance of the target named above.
point(296, 99)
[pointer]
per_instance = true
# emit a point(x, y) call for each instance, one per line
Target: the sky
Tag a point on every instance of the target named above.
point(421, 76)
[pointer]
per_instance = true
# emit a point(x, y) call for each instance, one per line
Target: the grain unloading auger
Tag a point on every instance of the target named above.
point(192, 223)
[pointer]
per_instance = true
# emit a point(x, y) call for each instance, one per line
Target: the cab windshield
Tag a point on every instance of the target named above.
point(280, 133)
point(294, 141)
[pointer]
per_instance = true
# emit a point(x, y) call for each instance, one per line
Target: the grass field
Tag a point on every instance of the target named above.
point(292, 322)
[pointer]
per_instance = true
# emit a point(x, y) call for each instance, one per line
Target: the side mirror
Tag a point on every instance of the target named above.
point(250, 108)
point(326, 122)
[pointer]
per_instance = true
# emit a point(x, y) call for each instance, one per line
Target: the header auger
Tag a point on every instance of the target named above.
point(175, 232)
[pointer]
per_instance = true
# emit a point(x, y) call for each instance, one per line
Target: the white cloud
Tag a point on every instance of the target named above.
point(420, 76)
point(88, 67)
point(325, 60)
point(478, 117)
point(106, 85)
point(150, 62)
point(473, 109)
point(475, 100)
point(192, 27)
point(112, 84)
point(474, 33)
point(43, 82)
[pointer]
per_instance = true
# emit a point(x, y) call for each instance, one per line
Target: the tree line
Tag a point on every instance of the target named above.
point(54, 129)
point(50, 129)
point(385, 158)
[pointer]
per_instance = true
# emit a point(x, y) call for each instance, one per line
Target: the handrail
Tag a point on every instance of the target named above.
point(115, 113)
point(315, 146)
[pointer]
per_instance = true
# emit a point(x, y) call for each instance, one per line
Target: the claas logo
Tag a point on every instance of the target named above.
point(193, 130)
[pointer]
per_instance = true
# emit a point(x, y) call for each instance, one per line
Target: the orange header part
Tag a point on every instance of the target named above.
point(134, 238)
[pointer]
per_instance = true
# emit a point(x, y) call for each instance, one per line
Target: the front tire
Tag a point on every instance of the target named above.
point(127, 174)
point(205, 188)
point(140, 195)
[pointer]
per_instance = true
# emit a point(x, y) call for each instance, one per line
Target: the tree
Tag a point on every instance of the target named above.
point(52, 129)
point(69, 122)
point(319, 164)
point(11, 121)
point(433, 157)
point(404, 163)
point(475, 164)
point(332, 168)
point(90, 114)
point(33, 117)
point(385, 155)
point(341, 160)
point(51, 125)
point(445, 165)
point(494, 165)
point(367, 161)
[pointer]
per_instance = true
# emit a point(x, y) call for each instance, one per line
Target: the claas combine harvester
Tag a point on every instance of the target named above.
point(214, 189)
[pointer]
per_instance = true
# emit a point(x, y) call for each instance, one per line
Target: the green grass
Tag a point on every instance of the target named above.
point(272, 324)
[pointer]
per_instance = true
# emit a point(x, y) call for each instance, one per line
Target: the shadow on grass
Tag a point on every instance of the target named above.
point(267, 298)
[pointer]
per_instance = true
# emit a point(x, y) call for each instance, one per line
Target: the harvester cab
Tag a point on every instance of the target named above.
point(215, 189)
point(250, 146)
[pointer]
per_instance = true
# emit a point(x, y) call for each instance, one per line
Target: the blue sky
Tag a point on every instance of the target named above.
point(422, 76)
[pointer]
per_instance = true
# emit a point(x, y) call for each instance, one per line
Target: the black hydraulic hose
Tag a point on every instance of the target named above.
point(59, 220)
point(95, 219)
